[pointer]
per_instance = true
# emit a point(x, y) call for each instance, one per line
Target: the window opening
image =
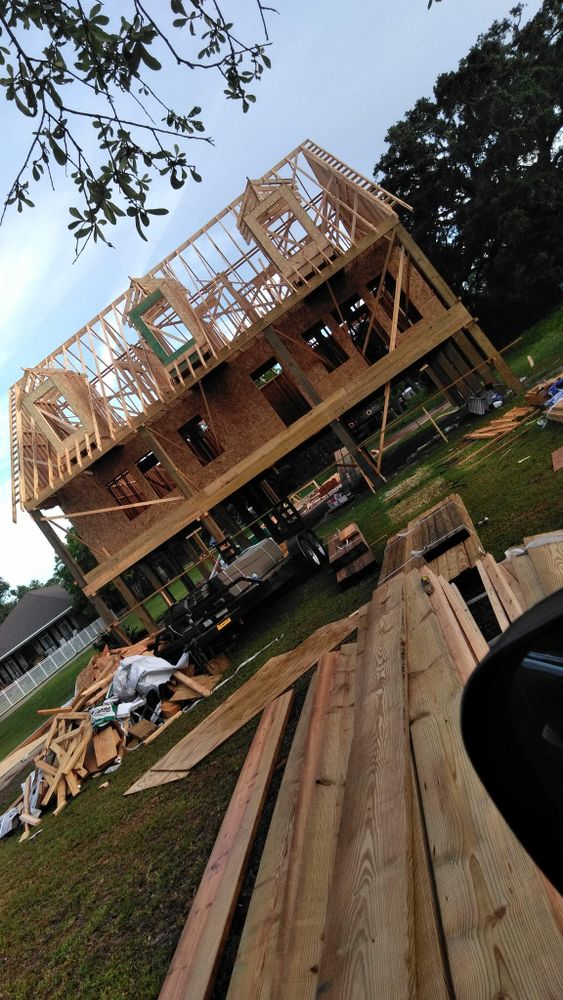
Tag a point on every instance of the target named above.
point(155, 474)
point(200, 439)
point(280, 392)
point(354, 315)
point(321, 340)
point(408, 313)
point(124, 490)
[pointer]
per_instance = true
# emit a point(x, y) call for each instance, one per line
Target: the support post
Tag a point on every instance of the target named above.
point(135, 606)
point(450, 298)
point(363, 461)
point(392, 345)
point(64, 555)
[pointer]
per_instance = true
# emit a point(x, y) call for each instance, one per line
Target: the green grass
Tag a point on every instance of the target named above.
point(107, 884)
point(543, 343)
point(24, 719)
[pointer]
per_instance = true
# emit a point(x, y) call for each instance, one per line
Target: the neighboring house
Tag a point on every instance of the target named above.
point(40, 622)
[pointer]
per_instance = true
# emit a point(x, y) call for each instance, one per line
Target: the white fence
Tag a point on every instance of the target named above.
point(15, 692)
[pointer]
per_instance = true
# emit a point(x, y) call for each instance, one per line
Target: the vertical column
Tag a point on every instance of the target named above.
point(435, 279)
point(132, 603)
point(363, 461)
point(64, 555)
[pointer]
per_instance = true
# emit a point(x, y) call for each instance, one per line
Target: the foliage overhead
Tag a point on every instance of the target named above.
point(63, 65)
point(481, 163)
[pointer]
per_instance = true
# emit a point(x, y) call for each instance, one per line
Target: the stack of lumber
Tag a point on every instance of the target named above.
point(387, 871)
point(349, 555)
point(501, 426)
point(444, 538)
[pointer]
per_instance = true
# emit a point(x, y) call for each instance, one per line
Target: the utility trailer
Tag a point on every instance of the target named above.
point(203, 622)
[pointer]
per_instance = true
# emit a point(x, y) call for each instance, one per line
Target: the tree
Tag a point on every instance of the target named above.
point(64, 65)
point(6, 599)
point(482, 165)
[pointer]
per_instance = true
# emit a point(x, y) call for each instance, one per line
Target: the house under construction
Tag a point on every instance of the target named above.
point(155, 428)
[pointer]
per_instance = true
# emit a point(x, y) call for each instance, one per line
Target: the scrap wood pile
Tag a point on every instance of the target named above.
point(501, 426)
point(386, 870)
point(122, 698)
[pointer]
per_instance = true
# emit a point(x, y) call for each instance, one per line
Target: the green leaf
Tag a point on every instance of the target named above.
point(58, 152)
point(149, 60)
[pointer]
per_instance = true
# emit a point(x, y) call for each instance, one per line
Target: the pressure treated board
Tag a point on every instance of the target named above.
point(499, 612)
point(430, 962)
point(523, 569)
point(193, 967)
point(267, 683)
point(315, 830)
point(501, 935)
point(507, 589)
point(255, 962)
point(368, 938)
point(547, 560)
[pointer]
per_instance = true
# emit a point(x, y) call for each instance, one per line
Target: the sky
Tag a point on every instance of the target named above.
point(342, 74)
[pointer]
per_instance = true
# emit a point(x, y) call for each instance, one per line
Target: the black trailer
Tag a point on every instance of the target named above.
point(203, 622)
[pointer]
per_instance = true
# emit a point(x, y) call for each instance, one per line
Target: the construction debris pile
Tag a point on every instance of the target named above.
point(549, 395)
point(123, 698)
point(386, 871)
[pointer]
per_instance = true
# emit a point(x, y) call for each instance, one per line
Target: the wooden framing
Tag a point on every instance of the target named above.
point(280, 254)
point(220, 288)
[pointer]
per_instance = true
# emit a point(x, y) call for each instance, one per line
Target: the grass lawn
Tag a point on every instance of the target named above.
point(24, 719)
point(93, 907)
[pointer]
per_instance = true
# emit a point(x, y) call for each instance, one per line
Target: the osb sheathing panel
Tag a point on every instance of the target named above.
point(241, 416)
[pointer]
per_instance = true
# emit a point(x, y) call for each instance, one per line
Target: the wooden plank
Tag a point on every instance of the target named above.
point(315, 829)
point(499, 612)
point(349, 573)
point(368, 938)
point(557, 459)
point(197, 955)
point(461, 652)
point(184, 693)
point(523, 569)
point(255, 962)
point(501, 935)
point(431, 968)
point(547, 560)
point(267, 683)
point(193, 682)
point(104, 746)
point(506, 588)
point(467, 623)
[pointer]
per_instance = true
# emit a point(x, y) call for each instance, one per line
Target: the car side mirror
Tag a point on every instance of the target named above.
point(512, 727)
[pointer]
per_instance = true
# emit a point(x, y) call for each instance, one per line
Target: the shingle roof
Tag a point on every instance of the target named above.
point(35, 610)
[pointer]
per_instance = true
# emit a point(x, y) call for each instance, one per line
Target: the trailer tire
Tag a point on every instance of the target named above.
point(306, 551)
